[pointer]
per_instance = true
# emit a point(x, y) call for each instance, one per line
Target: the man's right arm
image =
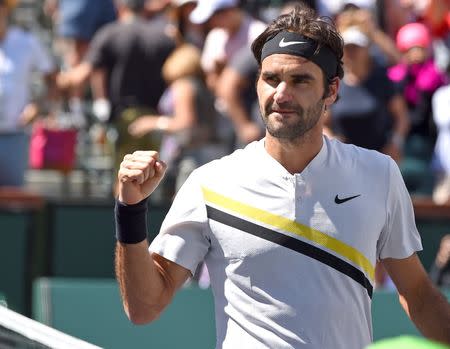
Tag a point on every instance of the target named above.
point(147, 281)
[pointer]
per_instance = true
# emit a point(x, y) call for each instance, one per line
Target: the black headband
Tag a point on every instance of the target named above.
point(298, 45)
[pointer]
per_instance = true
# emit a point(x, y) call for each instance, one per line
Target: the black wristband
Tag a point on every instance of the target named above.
point(131, 222)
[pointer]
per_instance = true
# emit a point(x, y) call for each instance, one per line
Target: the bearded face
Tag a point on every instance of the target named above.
point(300, 120)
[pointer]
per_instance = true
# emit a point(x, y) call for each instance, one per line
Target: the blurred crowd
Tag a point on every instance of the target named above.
point(178, 76)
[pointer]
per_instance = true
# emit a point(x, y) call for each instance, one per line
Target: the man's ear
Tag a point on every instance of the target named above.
point(333, 89)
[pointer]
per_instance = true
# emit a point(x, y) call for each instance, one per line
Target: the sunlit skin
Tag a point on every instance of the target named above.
point(292, 100)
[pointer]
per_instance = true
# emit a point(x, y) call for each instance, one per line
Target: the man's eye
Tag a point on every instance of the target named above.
point(300, 81)
point(271, 80)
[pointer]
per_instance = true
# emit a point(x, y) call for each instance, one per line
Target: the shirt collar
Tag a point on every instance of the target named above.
point(274, 167)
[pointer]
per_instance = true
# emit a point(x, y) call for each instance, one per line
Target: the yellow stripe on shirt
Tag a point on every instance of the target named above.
point(291, 226)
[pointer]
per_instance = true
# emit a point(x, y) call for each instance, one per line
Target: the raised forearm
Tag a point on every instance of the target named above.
point(142, 285)
point(147, 281)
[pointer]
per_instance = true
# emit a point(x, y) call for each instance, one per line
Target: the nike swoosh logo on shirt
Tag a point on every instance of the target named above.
point(341, 201)
point(289, 43)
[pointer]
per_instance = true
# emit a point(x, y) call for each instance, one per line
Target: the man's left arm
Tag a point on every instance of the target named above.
point(425, 305)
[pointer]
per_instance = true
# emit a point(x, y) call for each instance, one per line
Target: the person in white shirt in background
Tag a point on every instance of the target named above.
point(21, 54)
point(231, 29)
point(441, 117)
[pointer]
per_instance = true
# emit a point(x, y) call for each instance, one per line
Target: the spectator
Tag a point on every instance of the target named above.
point(231, 28)
point(440, 270)
point(186, 30)
point(382, 47)
point(188, 117)
point(237, 90)
point(21, 54)
point(333, 7)
point(434, 14)
point(128, 55)
point(368, 113)
point(76, 23)
point(441, 160)
point(417, 77)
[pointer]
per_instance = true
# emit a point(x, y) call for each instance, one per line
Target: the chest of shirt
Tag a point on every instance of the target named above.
point(328, 216)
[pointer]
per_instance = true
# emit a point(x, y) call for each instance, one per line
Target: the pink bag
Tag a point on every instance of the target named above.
point(52, 148)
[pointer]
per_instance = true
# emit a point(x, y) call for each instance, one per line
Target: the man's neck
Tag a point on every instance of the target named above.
point(295, 155)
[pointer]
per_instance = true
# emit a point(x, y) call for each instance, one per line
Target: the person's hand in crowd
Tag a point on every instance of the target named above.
point(366, 22)
point(143, 125)
point(63, 81)
point(443, 255)
point(75, 77)
point(361, 18)
point(29, 114)
point(139, 175)
point(219, 65)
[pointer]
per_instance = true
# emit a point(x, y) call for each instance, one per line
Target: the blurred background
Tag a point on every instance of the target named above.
point(83, 82)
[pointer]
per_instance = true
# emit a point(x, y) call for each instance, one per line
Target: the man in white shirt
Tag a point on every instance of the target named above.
point(291, 226)
point(21, 54)
point(441, 117)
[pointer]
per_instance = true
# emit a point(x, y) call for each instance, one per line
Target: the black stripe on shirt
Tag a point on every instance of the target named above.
point(293, 244)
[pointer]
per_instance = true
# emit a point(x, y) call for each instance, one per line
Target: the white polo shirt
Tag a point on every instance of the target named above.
point(291, 257)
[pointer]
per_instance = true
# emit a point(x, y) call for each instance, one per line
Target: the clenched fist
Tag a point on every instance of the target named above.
point(139, 175)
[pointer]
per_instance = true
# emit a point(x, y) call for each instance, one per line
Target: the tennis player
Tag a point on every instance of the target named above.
point(290, 227)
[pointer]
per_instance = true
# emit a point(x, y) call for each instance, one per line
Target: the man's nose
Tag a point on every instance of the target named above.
point(282, 93)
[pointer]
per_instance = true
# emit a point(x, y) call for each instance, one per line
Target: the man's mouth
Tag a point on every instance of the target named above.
point(283, 111)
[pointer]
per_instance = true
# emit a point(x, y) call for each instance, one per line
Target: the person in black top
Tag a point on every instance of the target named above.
point(125, 59)
point(127, 55)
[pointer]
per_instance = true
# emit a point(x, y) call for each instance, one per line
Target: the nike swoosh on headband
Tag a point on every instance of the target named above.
point(289, 43)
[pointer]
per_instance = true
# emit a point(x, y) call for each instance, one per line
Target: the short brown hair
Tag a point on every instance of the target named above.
point(304, 21)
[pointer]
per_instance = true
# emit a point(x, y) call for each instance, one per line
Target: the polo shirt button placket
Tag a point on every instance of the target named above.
point(300, 187)
point(290, 180)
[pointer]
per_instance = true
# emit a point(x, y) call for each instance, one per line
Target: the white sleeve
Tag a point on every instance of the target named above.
point(41, 58)
point(184, 235)
point(399, 238)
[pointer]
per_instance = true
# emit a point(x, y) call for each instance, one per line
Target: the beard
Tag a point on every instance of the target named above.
point(305, 120)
